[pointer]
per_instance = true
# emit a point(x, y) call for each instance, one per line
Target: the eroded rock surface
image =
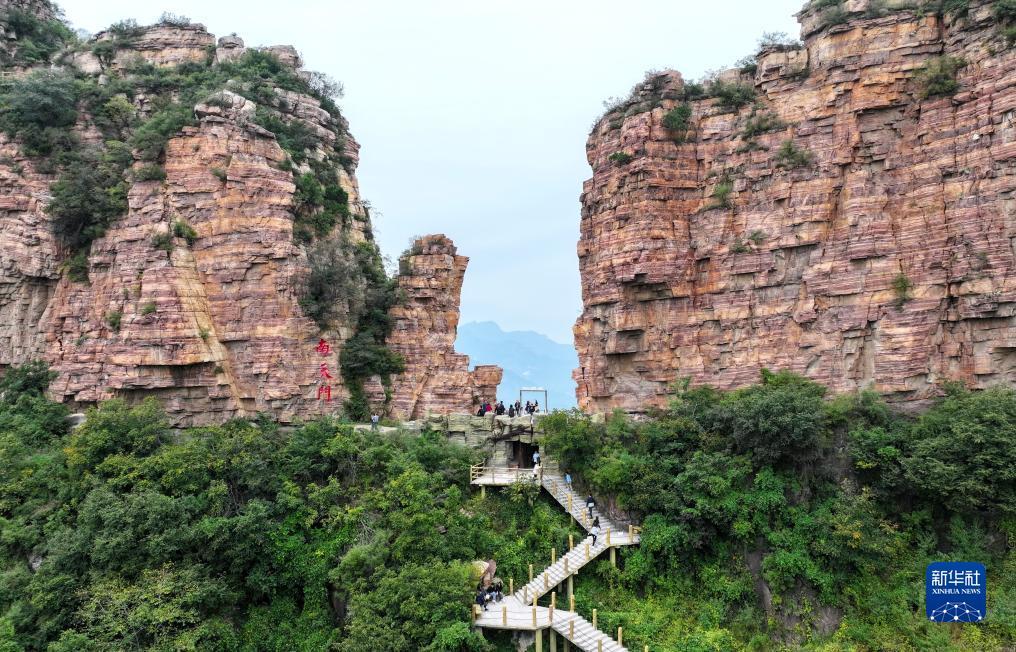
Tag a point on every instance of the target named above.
point(885, 261)
point(437, 380)
point(210, 323)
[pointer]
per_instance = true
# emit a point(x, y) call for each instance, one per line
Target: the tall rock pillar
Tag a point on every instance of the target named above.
point(436, 379)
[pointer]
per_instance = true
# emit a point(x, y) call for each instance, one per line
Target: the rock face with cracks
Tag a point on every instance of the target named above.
point(848, 223)
point(210, 323)
point(437, 380)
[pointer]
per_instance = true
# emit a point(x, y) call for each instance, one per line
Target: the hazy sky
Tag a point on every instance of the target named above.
point(472, 115)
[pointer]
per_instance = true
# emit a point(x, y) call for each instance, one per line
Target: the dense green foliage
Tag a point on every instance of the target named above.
point(40, 108)
point(772, 508)
point(365, 355)
point(620, 158)
point(36, 40)
point(125, 535)
point(90, 193)
point(1005, 13)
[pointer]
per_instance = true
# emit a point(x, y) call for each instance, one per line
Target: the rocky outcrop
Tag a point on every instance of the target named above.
point(876, 250)
point(437, 380)
point(193, 296)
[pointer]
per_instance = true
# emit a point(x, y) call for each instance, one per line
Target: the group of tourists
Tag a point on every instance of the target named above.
point(513, 410)
point(493, 593)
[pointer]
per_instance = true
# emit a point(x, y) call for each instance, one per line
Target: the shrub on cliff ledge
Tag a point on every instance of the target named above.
point(174, 20)
point(791, 156)
point(761, 123)
point(149, 172)
point(1005, 13)
point(678, 120)
point(902, 285)
point(183, 230)
point(620, 158)
point(938, 77)
point(721, 193)
point(732, 95)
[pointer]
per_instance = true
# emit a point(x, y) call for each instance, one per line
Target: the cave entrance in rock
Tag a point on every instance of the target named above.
point(522, 454)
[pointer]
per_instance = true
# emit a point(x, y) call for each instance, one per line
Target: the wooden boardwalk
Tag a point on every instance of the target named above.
point(520, 611)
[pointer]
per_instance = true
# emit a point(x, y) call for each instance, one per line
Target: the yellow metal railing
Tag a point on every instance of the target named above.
point(495, 472)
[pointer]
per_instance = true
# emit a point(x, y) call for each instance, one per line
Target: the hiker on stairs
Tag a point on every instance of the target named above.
point(590, 504)
point(595, 530)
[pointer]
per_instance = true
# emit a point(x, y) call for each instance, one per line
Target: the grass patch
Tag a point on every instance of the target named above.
point(732, 95)
point(761, 123)
point(183, 230)
point(163, 241)
point(113, 319)
point(721, 193)
point(791, 156)
point(902, 286)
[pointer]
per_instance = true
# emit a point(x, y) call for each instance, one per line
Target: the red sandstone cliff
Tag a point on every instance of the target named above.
point(437, 380)
point(211, 324)
point(881, 256)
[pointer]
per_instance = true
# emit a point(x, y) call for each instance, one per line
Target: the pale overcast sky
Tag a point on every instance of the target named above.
point(472, 115)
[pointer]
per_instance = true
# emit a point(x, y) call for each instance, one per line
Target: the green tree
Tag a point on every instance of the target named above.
point(961, 452)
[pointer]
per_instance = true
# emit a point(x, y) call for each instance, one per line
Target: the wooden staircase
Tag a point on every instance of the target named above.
point(519, 611)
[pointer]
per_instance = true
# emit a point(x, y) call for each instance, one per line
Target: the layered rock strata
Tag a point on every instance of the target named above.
point(437, 380)
point(209, 322)
point(876, 250)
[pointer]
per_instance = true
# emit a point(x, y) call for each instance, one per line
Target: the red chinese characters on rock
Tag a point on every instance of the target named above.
point(324, 387)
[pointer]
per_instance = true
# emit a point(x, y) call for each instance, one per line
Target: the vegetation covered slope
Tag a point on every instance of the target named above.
point(124, 535)
point(777, 517)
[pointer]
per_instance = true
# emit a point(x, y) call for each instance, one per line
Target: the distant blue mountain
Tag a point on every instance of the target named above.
point(529, 359)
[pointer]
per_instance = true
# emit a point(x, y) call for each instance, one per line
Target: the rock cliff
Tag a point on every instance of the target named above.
point(436, 380)
point(845, 208)
point(197, 292)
